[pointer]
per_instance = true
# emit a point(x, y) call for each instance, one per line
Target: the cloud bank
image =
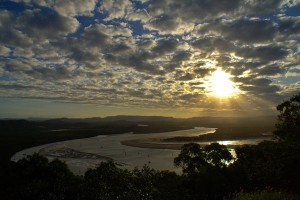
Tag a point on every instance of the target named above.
point(154, 54)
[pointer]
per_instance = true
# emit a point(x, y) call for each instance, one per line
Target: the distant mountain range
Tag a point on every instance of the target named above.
point(133, 121)
point(128, 118)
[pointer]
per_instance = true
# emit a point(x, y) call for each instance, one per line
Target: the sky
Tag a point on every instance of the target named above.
point(97, 58)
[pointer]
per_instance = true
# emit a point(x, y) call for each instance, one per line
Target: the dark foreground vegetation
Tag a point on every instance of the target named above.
point(269, 170)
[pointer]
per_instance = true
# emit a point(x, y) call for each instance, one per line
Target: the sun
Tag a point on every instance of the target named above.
point(220, 85)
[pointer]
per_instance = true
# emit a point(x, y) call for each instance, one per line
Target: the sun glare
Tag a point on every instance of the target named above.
point(220, 85)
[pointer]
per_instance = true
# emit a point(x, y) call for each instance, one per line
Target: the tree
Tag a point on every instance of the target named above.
point(205, 171)
point(190, 158)
point(35, 177)
point(193, 158)
point(288, 125)
point(217, 155)
point(106, 181)
point(274, 163)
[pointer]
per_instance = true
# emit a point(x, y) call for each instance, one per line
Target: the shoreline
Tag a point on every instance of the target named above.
point(149, 143)
point(175, 143)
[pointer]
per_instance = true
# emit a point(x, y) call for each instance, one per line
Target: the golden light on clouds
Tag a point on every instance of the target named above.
point(220, 85)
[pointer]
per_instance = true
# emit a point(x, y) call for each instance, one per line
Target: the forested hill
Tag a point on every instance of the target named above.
point(131, 121)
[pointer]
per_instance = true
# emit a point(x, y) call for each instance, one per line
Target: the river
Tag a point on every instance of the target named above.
point(82, 154)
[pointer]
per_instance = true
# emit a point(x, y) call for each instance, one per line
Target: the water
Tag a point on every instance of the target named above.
point(82, 154)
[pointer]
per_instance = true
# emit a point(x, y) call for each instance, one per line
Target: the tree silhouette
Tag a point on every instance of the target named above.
point(288, 125)
point(217, 155)
point(193, 158)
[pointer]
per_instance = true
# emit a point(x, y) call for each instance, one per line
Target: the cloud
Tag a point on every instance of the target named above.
point(165, 46)
point(154, 53)
point(289, 27)
point(95, 36)
point(255, 7)
point(10, 36)
point(194, 10)
point(257, 86)
point(115, 8)
point(36, 23)
point(264, 53)
point(34, 26)
point(165, 24)
point(212, 44)
point(138, 15)
point(243, 29)
point(4, 51)
point(183, 76)
point(271, 70)
point(181, 56)
point(141, 65)
point(74, 8)
point(66, 7)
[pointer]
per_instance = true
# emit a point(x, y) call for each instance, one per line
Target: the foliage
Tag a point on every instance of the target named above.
point(190, 159)
point(274, 164)
point(105, 182)
point(206, 171)
point(108, 182)
point(264, 195)
point(35, 177)
point(217, 155)
point(288, 125)
point(193, 158)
